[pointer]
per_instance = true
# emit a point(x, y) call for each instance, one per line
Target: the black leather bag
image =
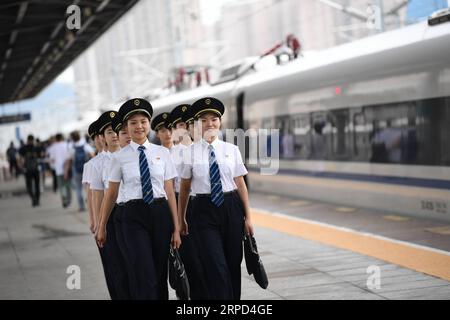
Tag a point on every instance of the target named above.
point(253, 262)
point(178, 279)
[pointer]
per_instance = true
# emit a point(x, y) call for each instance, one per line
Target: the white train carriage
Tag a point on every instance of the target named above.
point(364, 124)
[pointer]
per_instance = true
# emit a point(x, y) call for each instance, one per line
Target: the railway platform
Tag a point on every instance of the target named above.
point(311, 250)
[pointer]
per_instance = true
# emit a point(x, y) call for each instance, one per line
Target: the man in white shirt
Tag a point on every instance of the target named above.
point(79, 154)
point(58, 154)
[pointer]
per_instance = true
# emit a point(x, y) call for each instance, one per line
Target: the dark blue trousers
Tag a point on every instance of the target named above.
point(220, 234)
point(147, 231)
point(114, 263)
point(120, 241)
point(108, 274)
point(190, 255)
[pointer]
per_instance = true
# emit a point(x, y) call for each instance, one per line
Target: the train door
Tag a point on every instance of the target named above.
point(240, 111)
point(240, 124)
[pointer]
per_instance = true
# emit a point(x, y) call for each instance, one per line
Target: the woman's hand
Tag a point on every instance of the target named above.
point(176, 239)
point(92, 227)
point(100, 236)
point(184, 228)
point(248, 227)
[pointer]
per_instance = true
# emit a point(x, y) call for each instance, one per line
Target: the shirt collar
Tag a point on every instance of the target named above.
point(215, 142)
point(135, 146)
point(108, 155)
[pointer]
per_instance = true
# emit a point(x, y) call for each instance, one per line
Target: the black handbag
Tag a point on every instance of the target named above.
point(253, 262)
point(178, 279)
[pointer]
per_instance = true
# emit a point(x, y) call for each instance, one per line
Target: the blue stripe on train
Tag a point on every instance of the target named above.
point(412, 182)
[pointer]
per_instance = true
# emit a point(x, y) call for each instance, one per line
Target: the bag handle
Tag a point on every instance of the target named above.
point(252, 243)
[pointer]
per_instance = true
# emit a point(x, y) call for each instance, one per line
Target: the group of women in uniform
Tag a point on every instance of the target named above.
point(188, 193)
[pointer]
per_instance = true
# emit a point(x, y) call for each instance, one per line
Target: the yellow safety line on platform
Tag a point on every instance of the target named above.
point(409, 256)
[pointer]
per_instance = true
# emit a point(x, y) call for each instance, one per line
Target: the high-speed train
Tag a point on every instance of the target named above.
point(365, 124)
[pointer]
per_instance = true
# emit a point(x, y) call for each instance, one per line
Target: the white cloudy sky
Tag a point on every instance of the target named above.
point(67, 77)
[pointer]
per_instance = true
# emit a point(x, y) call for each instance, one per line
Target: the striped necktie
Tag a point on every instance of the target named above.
point(146, 183)
point(214, 177)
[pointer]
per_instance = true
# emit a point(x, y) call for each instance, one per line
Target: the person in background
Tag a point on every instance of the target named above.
point(41, 161)
point(11, 155)
point(58, 154)
point(51, 166)
point(79, 154)
point(29, 154)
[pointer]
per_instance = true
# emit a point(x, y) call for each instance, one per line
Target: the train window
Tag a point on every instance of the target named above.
point(412, 132)
point(301, 136)
point(319, 136)
point(340, 134)
point(287, 145)
point(359, 135)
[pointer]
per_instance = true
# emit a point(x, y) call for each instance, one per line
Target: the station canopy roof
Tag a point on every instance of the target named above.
point(36, 44)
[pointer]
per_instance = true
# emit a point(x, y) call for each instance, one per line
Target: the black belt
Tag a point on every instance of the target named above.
point(155, 200)
point(208, 195)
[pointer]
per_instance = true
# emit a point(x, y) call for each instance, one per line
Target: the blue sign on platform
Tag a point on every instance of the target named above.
point(15, 118)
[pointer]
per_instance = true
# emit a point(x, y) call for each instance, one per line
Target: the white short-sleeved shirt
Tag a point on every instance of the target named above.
point(195, 165)
point(58, 154)
point(105, 170)
point(105, 176)
point(86, 172)
point(49, 152)
point(176, 152)
point(96, 171)
point(121, 195)
point(125, 167)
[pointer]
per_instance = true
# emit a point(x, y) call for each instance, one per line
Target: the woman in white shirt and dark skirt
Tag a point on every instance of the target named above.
point(189, 250)
point(124, 140)
point(114, 259)
point(214, 170)
point(149, 219)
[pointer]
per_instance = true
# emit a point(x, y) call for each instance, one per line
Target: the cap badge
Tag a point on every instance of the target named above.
point(183, 108)
point(136, 102)
point(164, 115)
point(112, 114)
point(208, 101)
